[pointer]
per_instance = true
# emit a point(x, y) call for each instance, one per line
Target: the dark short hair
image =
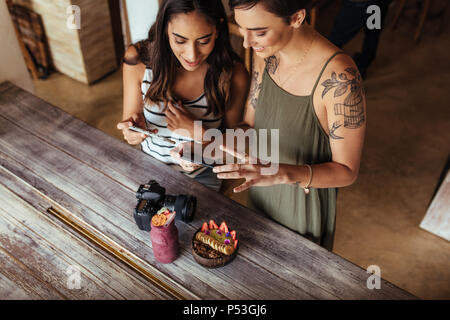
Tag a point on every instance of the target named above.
point(281, 8)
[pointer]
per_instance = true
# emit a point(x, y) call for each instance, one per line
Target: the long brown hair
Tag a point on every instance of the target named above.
point(156, 53)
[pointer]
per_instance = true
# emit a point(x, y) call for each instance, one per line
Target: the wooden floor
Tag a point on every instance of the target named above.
point(49, 273)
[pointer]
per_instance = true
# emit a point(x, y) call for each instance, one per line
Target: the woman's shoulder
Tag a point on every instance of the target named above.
point(339, 66)
point(133, 64)
point(138, 53)
point(333, 58)
point(131, 56)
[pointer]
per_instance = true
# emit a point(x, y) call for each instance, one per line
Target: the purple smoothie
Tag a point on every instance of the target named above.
point(165, 242)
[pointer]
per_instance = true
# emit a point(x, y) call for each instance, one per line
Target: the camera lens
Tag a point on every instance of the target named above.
point(169, 203)
point(185, 207)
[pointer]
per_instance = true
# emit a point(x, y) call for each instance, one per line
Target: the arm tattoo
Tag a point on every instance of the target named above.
point(254, 90)
point(271, 67)
point(336, 126)
point(353, 107)
point(272, 64)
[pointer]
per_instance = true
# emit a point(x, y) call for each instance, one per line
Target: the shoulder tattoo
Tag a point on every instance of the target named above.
point(272, 64)
point(271, 67)
point(353, 107)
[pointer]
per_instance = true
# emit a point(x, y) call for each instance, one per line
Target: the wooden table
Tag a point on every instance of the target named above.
point(67, 195)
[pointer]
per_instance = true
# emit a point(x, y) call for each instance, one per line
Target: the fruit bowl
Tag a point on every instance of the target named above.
point(208, 257)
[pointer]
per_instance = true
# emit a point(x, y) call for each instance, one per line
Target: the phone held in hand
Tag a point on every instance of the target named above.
point(148, 133)
point(198, 159)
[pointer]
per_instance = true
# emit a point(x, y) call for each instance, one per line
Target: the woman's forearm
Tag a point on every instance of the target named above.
point(130, 113)
point(130, 109)
point(132, 99)
point(324, 175)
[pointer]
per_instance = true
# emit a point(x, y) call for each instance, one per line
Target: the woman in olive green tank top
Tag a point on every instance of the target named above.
point(313, 95)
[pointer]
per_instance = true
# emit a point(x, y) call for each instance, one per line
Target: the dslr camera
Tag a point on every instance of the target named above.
point(152, 197)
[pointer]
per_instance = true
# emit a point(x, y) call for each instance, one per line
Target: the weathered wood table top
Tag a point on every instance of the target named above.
point(67, 195)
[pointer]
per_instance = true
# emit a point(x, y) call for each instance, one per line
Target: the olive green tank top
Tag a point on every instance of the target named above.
point(302, 140)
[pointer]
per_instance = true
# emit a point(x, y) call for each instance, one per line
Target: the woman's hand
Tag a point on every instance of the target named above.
point(177, 153)
point(132, 137)
point(249, 168)
point(178, 117)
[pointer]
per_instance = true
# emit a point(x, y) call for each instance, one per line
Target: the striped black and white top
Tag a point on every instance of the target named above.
point(156, 119)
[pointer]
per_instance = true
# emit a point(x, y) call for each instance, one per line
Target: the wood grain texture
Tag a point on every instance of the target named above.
point(63, 161)
point(86, 54)
point(64, 44)
point(36, 252)
point(96, 39)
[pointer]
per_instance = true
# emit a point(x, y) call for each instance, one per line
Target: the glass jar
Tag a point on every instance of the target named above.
point(165, 242)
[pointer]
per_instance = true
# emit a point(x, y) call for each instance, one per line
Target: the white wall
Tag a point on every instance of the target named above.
point(141, 15)
point(12, 63)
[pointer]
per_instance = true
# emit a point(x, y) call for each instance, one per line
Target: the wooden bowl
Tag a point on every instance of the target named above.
point(210, 262)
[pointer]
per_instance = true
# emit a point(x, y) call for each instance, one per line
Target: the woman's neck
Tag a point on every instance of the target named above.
point(199, 72)
point(296, 47)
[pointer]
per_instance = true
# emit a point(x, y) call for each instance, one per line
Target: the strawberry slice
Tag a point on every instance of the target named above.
point(167, 212)
point(213, 225)
point(235, 243)
point(223, 227)
point(204, 226)
point(233, 234)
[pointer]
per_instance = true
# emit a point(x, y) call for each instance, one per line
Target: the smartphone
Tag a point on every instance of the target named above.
point(191, 158)
point(151, 134)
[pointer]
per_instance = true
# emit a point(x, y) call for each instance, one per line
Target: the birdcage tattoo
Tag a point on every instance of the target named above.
point(352, 108)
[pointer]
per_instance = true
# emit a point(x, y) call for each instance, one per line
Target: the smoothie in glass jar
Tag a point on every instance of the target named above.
point(164, 236)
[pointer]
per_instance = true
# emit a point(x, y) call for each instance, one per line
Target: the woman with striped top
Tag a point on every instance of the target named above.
point(185, 71)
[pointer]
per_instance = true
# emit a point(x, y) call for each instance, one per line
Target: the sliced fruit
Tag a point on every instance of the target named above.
point(233, 234)
point(162, 210)
point(223, 227)
point(235, 243)
point(204, 226)
point(167, 212)
point(213, 225)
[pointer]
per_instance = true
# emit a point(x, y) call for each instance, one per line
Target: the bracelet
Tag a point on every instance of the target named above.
point(306, 188)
